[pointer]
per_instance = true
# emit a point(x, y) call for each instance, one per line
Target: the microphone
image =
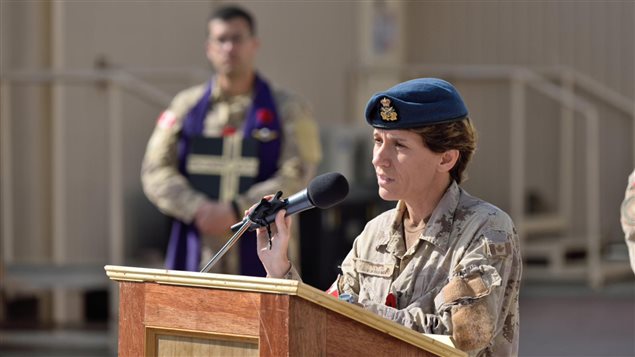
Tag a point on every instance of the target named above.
point(324, 191)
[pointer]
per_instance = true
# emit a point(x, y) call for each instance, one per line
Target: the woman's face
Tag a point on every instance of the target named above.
point(406, 169)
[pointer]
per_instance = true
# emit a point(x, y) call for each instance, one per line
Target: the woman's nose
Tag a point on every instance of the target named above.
point(379, 156)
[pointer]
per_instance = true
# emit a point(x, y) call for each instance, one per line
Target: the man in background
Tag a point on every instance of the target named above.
point(221, 146)
point(628, 218)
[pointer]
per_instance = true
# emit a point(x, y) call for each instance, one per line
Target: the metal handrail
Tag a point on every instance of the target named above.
point(114, 80)
point(594, 87)
point(123, 78)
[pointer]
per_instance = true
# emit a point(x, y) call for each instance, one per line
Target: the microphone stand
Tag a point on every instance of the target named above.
point(255, 219)
point(230, 243)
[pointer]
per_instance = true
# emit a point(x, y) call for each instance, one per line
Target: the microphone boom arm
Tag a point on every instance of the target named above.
point(255, 219)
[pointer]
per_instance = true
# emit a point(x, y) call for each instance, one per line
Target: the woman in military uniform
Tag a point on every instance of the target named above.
point(442, 261)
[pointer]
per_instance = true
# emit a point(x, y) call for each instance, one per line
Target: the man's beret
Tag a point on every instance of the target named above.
point(415, 103)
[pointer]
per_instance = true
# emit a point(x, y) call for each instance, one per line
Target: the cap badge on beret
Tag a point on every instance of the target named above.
point(387, 112)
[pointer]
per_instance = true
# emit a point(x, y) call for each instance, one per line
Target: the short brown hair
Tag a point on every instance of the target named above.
point(230, 12)
point(456, 135)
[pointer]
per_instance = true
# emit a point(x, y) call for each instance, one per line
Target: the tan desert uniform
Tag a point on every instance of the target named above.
point(468, 241)
point(171, 193)
point(628, 218)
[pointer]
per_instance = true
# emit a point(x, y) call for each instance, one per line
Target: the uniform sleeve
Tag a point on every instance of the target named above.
point(475, 303)
point(301, 153)
point(162, 182)
point(482, 291)
point(628, 217)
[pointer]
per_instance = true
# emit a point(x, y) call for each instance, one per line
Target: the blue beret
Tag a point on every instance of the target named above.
point(415, 103)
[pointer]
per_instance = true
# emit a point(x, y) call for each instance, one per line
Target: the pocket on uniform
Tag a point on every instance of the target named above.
point(375, 279)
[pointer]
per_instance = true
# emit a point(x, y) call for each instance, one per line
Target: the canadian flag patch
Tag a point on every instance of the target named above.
point(166, 120)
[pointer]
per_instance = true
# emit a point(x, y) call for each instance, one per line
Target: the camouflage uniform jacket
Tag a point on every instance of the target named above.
point(170, 191)
point(461, 278)
point(628, 218)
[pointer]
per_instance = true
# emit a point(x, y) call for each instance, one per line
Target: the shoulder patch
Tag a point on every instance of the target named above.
point(499, 249)
point(497, 243)
point(166, 120)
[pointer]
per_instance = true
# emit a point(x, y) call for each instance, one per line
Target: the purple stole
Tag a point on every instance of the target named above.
point(184, 248)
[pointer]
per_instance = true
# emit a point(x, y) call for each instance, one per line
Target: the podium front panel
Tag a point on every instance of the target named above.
point(196, 309)
point(174, 343)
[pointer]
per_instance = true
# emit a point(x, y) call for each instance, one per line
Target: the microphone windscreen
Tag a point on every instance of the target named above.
point(327, 190)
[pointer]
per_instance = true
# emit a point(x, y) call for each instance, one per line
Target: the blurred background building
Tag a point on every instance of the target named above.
point(550, 86)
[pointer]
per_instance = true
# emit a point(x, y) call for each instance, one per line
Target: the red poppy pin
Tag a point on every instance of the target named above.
point(391, 300)
point(264, 116)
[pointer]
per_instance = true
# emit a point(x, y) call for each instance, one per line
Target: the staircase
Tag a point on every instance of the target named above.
point(551, 250)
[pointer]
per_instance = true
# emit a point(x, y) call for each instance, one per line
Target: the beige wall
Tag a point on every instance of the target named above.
point(596, 38)
point(30, 165)
point(309, 47)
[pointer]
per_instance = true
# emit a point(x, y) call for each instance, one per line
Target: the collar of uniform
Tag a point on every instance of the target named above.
point(393, 237)
point(219, 96)
point(441, 221)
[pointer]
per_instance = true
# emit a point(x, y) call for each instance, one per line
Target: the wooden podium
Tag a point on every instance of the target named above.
point(176, 313)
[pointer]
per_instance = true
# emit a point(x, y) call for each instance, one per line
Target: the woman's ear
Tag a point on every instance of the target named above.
point(448, 160)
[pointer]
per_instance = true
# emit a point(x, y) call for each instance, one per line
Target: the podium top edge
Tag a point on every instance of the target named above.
point(209, 280)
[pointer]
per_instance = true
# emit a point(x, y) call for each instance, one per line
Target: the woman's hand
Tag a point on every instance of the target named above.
point(274, 253)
